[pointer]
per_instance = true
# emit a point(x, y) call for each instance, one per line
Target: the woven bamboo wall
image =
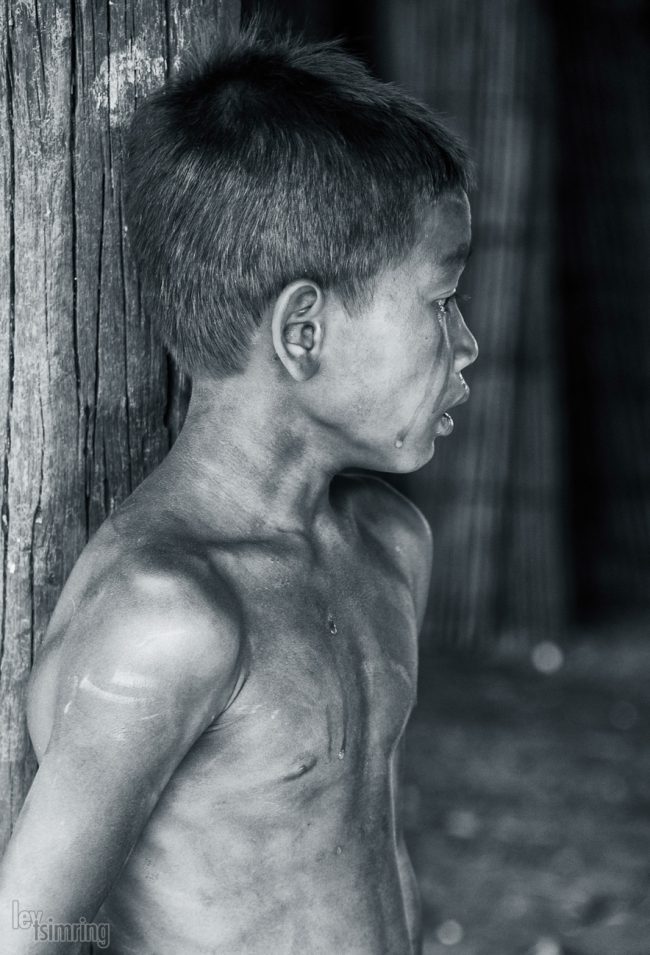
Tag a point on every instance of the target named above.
point(493, 491)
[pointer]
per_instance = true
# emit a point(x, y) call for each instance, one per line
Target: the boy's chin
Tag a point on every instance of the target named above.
point(411, 457)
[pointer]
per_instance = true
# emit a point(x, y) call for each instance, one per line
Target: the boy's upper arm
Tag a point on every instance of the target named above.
point(404, 521)
point(419, 551)
point(134, 695)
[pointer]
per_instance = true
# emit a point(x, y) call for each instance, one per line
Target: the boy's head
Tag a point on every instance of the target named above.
point(283, 203)
point(271, 160)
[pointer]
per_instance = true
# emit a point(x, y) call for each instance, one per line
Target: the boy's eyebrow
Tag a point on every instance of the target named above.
point(461, 254)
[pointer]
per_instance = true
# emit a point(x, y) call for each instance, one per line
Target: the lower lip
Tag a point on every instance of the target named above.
point(445, 425)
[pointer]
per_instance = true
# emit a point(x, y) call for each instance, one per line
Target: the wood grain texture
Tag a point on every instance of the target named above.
point(89, 402)
point(493, 492)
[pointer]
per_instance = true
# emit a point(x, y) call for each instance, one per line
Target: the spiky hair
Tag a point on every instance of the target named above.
point(269, 159)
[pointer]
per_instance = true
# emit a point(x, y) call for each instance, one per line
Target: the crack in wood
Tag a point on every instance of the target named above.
point(5, 513)
point(73, 210)
point(90, 445)
point(32, 546)
point(125, 341)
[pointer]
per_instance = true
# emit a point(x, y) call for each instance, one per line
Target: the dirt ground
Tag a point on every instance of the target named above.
point(527, 799)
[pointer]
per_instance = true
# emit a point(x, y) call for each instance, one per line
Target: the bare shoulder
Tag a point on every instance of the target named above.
point(185, 606)
point(143, 622)
point(397, 525)
point(388, 511)
point(143, 656)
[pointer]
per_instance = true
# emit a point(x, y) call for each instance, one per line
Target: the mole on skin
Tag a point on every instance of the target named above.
point(219, 705)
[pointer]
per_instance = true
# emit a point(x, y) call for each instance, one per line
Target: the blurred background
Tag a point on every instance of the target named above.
point(527, 785)
point(541, 501)
point(528, 777)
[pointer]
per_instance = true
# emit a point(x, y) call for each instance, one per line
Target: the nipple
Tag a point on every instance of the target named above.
point(399, 443)
point(331, 624)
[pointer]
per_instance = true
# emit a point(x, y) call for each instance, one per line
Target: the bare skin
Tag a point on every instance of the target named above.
point(220, 701)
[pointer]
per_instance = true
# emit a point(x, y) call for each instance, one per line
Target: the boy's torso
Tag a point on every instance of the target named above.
point(278, 831)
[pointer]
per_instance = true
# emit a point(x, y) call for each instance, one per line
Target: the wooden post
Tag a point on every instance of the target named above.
point(89, 402)
point(493, 490)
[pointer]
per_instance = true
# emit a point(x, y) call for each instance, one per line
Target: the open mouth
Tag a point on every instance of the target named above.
point(445, 424)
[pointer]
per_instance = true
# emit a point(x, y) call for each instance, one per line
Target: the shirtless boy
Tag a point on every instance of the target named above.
point(220, 700)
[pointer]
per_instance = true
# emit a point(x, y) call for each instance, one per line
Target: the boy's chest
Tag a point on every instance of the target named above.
point(329, 682)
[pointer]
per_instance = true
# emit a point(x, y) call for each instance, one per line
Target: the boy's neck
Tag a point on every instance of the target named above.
point(247, 460)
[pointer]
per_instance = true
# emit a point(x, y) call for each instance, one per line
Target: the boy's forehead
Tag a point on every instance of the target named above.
point(445, 229)
point(445, 234)
point(440, 250)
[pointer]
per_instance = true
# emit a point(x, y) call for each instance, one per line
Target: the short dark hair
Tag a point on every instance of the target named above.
point(271, 159)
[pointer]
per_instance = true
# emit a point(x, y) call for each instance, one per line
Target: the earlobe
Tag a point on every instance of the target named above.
point(297, 328)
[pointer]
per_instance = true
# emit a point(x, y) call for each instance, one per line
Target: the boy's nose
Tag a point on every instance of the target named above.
point(466, 350)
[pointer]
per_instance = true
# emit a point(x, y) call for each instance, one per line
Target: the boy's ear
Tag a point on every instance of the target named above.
point(297, 328)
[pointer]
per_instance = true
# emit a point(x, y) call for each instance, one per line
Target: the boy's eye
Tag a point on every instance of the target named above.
point(442, 304)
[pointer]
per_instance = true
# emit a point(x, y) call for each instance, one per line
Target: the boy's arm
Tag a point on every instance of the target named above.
point(421, 556)
point(401, 521)
point(408, 880)
point(420, 553)
point(417, 549)
point(138, 690)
